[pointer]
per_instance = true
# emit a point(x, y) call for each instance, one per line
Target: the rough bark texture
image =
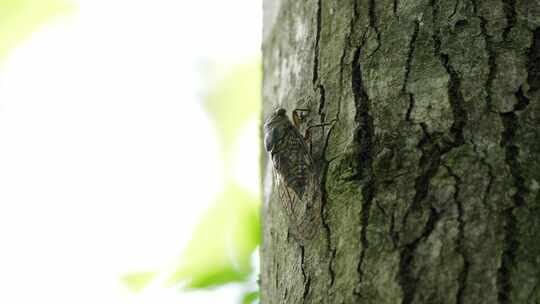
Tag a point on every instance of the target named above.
point(430, 178)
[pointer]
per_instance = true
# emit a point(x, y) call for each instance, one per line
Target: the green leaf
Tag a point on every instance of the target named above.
point(20, 18)
point(250, 297)
point(221, 248)
point(234, 99)
point(138, 281)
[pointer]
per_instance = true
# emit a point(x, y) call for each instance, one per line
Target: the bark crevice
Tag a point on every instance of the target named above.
point(429, 163)
point(492, 59)
point(306, 278)
point(364, 132)
point(533, 65)
point(459, 113)
point(410, 107)
point(407, 280)
point(510, 123)
point(324, 198)
point(317, 42)
point(456, 5)
point(410, 54)
point(455, 96)
point(460, 245)
point(491, 177)
point(373, 24)
point(509, 7)
point(363, 137)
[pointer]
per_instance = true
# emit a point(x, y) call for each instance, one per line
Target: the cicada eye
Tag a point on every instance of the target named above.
point(281, 112)
point(272, 137)
point(268, 142)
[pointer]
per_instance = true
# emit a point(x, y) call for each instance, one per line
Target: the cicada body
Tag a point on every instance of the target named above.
point(290, 157)
point(296, 181)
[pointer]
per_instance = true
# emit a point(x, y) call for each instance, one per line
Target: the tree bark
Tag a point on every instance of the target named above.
point(429, 178)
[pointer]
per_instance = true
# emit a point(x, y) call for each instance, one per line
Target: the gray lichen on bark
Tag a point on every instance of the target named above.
point(430, 178)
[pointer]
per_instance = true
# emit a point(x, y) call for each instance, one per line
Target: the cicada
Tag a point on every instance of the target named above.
point(290, 156)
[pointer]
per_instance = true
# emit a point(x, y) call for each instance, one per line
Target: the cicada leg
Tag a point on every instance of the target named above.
point(299, 115)
point(307, 133)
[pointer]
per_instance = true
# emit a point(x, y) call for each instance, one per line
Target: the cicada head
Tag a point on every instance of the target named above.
point(275, 128)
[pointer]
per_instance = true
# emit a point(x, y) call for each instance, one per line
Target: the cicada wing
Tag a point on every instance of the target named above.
point(299, 211)
point(285, 195)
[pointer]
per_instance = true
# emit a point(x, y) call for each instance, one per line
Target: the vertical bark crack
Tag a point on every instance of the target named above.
point(429, 165)
point(324, 170)
point(307, 279)
point(363, 136)
point(324, 195)
point(460, 246)
point(372, 16)
point(364, 132)
point(277, 275)
point(324, 216)
point(510, 122)
point(456, 5)
point(433, 148)
point(459, 114)
point(492, 59)
point(317, 41)
point(407, 280)
point(410, 54)
point(509, 7)
point(410, 108)
point(373, 24)
point(454, 92)
point(307, 286)
point(533, 66)
point(322, 102)
point(408, 62)
point(491, 176)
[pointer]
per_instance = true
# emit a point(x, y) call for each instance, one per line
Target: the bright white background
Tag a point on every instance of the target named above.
point(107, 159)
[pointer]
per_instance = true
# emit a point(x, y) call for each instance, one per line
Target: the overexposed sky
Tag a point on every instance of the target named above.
point(106, 158)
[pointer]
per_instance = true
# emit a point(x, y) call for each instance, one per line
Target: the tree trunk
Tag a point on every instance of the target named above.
point(429, 177)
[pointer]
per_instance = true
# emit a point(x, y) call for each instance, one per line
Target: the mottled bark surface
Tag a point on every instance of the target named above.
point(430, 178)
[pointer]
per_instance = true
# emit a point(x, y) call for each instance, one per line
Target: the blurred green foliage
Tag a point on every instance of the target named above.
point(19, 18)
point(225, 239)
point(222, 245)
point(137, 281)
point(250, 297)
point(234, 99)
